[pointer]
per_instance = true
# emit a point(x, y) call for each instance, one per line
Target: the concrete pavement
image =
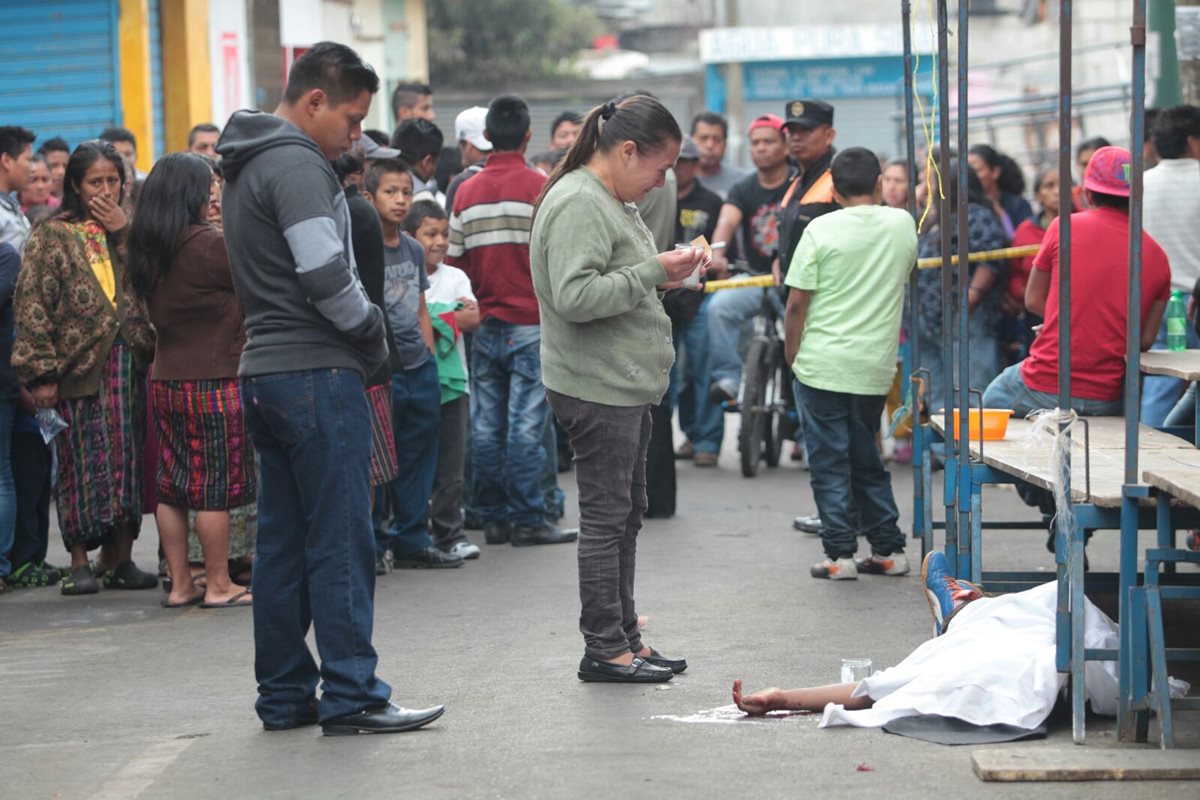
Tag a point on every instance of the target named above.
point(111, 696)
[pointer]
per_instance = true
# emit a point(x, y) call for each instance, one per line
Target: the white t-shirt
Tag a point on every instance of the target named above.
point(447, 285)
point(1170, 211)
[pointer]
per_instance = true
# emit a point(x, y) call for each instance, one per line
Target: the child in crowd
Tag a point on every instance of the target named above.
point(847, 282)
point(453, 312)
point(416, 393)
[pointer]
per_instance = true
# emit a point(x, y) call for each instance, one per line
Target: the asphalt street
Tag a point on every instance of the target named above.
point(111, 696)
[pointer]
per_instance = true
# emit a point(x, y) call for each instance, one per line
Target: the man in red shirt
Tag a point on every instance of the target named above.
point(1099, 284)
point(489, 240)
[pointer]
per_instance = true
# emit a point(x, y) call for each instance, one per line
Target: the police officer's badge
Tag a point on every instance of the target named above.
point(796, 109)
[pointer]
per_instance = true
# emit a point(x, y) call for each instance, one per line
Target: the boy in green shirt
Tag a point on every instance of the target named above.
point(847, 282)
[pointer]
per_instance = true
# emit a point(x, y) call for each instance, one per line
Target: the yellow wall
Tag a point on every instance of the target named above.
point(136, 99)
point(187, 80)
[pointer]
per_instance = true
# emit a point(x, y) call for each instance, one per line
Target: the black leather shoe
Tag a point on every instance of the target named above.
point(381, 719)
point(543, 534)
point(640, 671)
point(307, 717)
point(429, 558)
point(497, 532)
point(676, 665)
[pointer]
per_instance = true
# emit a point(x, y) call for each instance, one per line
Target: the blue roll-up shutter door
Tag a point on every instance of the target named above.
point(156, 77)
point(59, 68)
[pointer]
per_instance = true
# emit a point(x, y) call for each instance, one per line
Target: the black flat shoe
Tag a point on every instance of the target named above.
point(543, 534)
point(381, 719)
point(307, 717)
point(676, 665)
point(640, 671)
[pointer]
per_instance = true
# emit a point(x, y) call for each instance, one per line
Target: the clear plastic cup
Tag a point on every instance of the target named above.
point(855, 669)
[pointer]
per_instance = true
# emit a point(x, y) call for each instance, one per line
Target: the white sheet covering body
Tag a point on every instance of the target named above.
point(994, 664)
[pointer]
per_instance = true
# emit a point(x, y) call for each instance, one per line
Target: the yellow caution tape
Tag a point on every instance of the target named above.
point(987, 255)
point(740, 283)
point(922, 263)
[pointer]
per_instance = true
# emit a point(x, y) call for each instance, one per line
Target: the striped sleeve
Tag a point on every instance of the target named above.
point(325, 275)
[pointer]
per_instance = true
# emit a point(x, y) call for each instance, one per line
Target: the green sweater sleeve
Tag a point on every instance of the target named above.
point(578, 247)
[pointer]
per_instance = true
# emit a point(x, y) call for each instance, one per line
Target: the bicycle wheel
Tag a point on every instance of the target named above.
point(773, 402)
point(754, 413)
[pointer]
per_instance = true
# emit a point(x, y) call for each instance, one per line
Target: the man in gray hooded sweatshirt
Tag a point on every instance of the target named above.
point(311, 337)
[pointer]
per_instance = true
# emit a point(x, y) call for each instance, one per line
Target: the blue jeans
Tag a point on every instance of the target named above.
point(508, 418)
point(985, 361)
point(315, 557)
point(731, 315)
point(1160, 393)
point(416, 419)
point(702, 422)
point(8, 490)
point(848, 472)
point(1183, 415)
point(1009, 390)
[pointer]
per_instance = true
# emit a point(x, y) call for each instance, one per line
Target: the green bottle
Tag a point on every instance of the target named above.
point(1176, 322)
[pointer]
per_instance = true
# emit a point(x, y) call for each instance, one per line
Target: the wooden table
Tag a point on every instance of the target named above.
point(1183, 364)
point(1104, 465)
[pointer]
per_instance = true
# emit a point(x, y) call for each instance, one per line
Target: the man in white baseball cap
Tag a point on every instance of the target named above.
point(474, 146)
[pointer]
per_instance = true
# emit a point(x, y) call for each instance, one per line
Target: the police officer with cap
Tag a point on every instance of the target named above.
point(809, 126)
point(810, 133)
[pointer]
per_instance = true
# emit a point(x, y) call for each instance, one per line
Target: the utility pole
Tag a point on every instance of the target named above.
point(735, 84)
point(1160, 19)
point(1189, 60)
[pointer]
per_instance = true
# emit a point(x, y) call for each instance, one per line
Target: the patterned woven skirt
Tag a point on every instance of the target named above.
point(384, 466)
point(100, 456)
point(205, 456)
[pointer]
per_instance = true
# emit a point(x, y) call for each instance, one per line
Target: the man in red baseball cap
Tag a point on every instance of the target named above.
point(1099, 276)
point(1099, 283)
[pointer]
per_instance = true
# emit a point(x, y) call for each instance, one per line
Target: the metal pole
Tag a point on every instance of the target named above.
point(966, 554)
point(920, 522)
point(1071, 545)
point(1133, 348)
point(953, 447)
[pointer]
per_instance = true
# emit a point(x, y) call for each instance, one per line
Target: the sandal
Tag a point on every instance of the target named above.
point(231, 602)
point(126, 575)
point(195, 599)
point(80, 581)
point(198, 578)
point(31, 576)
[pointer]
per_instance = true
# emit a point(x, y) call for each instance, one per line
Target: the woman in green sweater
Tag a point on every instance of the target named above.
point(606, 356)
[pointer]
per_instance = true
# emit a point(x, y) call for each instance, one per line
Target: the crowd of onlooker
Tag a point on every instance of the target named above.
point(121, 332)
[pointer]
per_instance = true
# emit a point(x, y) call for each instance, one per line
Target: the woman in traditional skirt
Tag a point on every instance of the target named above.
point(179, 266)
point(82, 345)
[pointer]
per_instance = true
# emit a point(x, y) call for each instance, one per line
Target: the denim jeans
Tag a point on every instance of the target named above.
point(610, 467)
point(315, 559)
point(416, 416)
point(32, 460)
point(508, 418)
point(1160, 393)
point(730, 320)
point(1183, 415)
point(1009, 390)
point(703, 422)
point(8, 491)
point(985, 360)
point(848, 472)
